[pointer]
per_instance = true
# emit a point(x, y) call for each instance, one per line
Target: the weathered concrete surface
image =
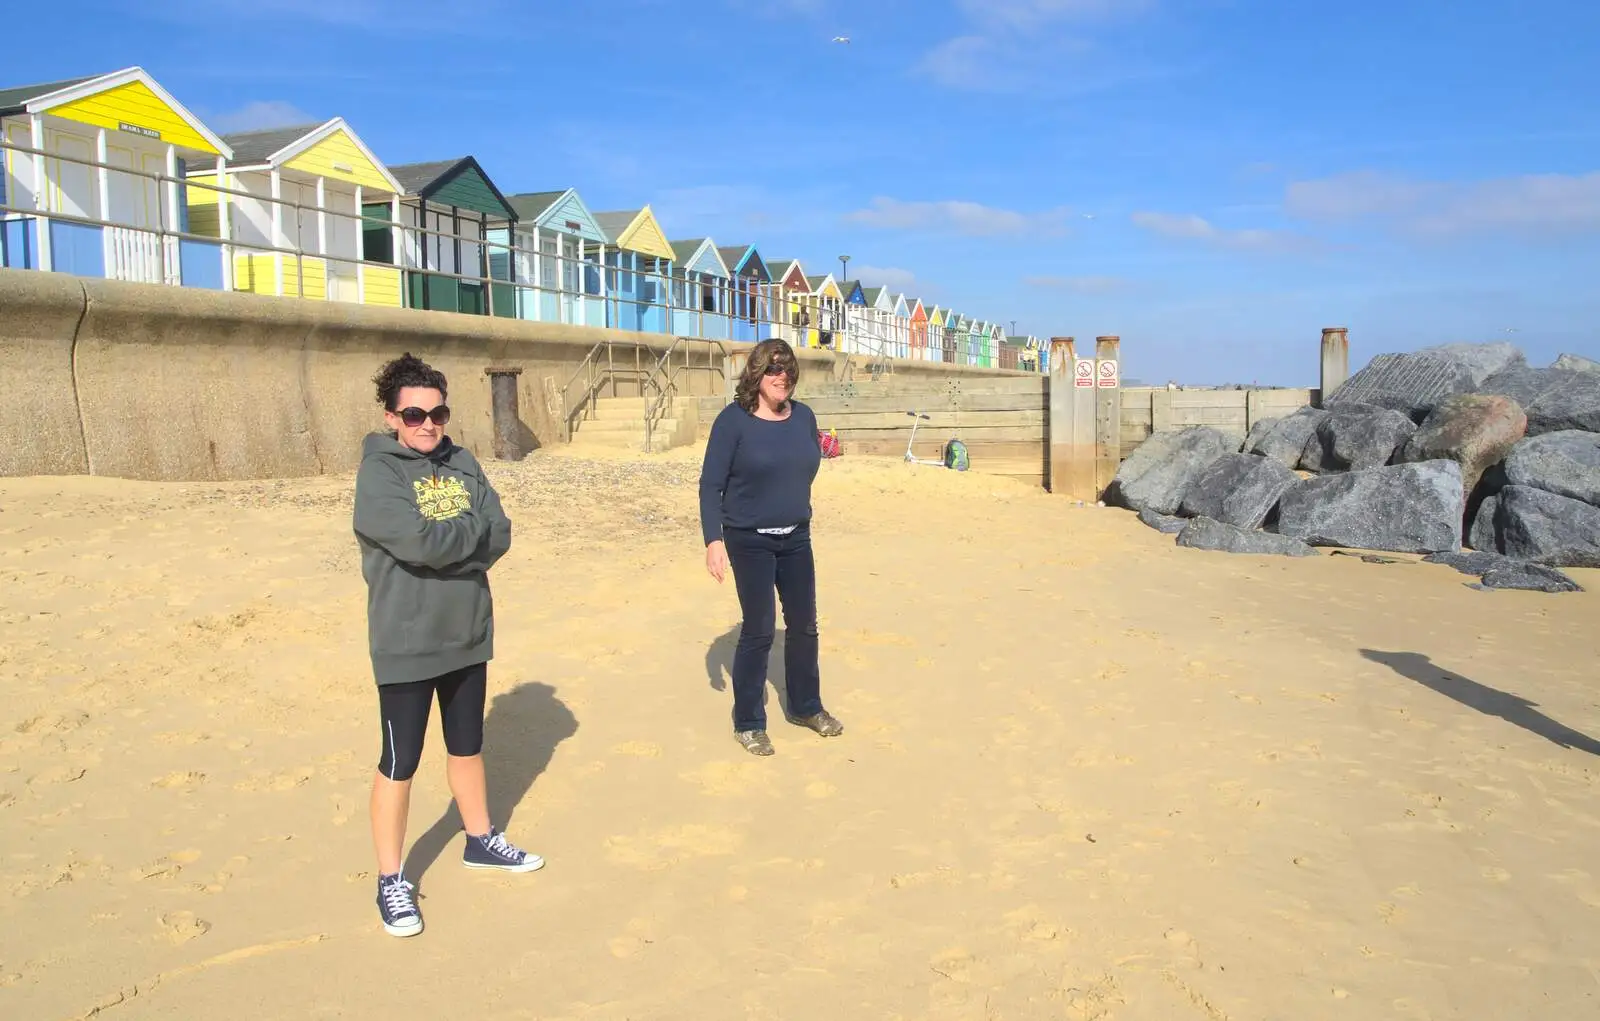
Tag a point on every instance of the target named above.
point(145, 381)
point(39, 433)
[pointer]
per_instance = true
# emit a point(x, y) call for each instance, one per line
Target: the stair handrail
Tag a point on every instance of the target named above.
point(666, 385)
point(585, 368)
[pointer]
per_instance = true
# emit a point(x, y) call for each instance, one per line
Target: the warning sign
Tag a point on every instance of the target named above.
point(1083, 373)
point(1108, 372)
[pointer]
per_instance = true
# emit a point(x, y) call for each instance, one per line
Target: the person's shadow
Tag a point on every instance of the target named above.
point(719, 668)
point(520, 732)
point(1490, 701)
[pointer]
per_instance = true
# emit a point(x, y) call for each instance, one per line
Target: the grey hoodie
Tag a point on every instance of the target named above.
point(429, 526)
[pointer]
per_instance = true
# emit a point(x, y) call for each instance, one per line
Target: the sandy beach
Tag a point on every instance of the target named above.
point(1085, 775)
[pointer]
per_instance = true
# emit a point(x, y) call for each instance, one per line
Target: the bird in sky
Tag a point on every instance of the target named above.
point(842, 39)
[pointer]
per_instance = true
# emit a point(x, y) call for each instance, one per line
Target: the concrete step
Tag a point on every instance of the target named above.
point(623, 425)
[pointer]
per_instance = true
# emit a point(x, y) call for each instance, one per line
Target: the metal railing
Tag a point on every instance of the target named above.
point(261, 241)
point(663, 379)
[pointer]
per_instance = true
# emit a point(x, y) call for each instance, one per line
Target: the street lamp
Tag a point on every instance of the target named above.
point(844, 268)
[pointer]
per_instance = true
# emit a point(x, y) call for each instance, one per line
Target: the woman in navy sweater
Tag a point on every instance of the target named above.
point(755, 515)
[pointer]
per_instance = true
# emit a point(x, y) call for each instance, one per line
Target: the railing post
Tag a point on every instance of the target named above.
point(507, 421)
point(1108, 411)
point(1335, 359)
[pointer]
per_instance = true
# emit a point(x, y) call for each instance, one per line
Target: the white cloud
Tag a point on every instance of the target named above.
point(1533, 204)
point(1031, 13)
point(1016, 44)
point(266, 113)
point(1082, 285)
point(972, 219)
point(1189, 227)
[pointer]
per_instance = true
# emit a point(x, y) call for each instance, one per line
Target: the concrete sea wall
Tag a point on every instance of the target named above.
point(142, 381)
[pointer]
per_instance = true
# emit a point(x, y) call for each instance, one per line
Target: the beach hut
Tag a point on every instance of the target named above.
point(855, 325)
point(956, 331)
point(936, 318)
point(992, 345)
point(827, 310)
point(917, 331)
point(307, 189)
point(700, 294)
point(638, 261)
point(791, 300)
point(107, 192)
point(977, 337)
point(556, 282)
point(901, 338)
point(752, 310)
point(447, 209)
point(879, 320)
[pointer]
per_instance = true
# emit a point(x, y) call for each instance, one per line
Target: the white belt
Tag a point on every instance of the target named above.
point(785, 530)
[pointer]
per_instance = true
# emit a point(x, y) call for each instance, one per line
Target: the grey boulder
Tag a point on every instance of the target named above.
point(1406, 508)
point(1354, 437)
point(1547, 528)
point(1566, 463)
point(1515, 574)
point(1555, 399)
point(1411, 383)
point(1286, 441)
point(1473, 430)
point(1484, 532)
point(1158, 473)
point(1167, 524)
point(1263, 427)
point(1238, 489)
point(1209, 534)
point(1500, 572)
point(1480, 360)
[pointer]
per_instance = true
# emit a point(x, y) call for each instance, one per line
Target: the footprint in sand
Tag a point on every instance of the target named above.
point(59, 775)
point(182, 926)
point(724, 778)
point(638, 749)
point(820, 789)
point(188, 781)
point(665, 848)
point(54, 723)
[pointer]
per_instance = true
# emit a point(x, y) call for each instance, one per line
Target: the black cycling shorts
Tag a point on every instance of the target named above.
point(404, 711)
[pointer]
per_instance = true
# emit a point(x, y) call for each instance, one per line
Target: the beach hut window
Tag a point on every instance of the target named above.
point(547, 266)
point(708, 297)
point(570, 267)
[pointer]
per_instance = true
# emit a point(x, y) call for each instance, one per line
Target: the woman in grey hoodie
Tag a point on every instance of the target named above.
point(430, 526)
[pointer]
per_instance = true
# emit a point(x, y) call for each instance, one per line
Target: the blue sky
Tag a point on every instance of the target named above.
point(1213, 180)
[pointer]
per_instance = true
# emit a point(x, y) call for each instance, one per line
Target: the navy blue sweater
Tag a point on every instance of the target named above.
point(758, 473)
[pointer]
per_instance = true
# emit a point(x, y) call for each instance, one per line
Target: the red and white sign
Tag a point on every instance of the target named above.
point(1108, 372)
point(1083, 373)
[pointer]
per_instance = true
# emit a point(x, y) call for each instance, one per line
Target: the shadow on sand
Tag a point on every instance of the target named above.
point(520, 733)
point(1513, 709)
point(719, 668)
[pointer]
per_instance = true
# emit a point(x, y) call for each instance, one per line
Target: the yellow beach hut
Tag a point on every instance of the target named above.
point(307, 188)
point(104, 198)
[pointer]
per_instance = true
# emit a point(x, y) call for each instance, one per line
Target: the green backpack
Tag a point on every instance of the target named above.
point(955, 455)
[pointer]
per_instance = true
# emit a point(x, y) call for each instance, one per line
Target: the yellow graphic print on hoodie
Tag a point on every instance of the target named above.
point(440, 499)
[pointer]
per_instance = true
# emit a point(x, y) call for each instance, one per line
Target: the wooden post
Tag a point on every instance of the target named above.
point(1335, 359)
point(1108, 411)
point(503, 403)
point(1071, 424)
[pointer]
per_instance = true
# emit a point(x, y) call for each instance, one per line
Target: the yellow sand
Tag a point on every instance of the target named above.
point(1085, 774)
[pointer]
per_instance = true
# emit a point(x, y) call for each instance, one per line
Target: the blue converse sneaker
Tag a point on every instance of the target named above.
point(496, 852)
point(397, 907)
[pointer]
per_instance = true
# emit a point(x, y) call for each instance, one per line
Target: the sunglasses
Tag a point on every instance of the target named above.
point(414, 417)
point(777, 369)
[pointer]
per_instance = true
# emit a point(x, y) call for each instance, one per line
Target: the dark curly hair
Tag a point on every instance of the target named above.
point(773, 350)
point(407, 370)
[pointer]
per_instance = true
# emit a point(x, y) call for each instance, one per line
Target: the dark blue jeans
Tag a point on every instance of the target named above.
point(762, 563)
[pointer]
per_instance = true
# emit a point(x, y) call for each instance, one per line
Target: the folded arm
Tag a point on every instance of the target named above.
point(386, 514)
point(496, 539)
